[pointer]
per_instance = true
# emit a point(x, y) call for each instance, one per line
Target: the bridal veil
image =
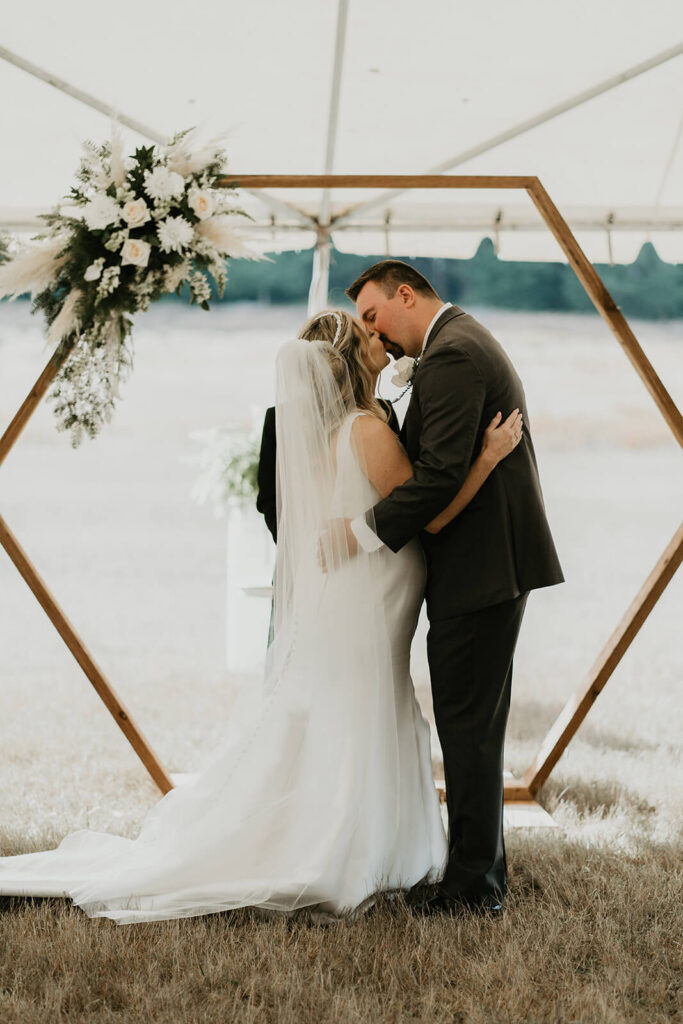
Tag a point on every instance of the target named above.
point(319, 792)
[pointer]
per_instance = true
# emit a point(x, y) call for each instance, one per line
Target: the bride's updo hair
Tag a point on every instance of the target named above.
point(349, 341)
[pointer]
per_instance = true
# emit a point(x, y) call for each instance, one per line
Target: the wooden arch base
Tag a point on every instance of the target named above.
point(517, 791)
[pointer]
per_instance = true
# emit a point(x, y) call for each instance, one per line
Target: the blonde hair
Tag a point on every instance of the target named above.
point(349, 341)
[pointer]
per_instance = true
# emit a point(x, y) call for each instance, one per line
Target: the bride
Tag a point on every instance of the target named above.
point(320, 793)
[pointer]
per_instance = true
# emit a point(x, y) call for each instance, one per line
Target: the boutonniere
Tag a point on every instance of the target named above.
point(406, 368)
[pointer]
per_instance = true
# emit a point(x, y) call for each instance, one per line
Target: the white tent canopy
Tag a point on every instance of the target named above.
point(587, 96)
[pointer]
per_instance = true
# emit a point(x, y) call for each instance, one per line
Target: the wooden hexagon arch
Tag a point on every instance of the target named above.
point(576, 708)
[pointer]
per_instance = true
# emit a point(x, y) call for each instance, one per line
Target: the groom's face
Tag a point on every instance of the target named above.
point(389, 317)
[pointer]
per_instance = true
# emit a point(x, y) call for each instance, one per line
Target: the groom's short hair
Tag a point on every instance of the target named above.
point(388, 275)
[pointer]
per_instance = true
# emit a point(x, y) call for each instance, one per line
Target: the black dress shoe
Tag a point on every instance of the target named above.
point(421, 894)
point(442, 904)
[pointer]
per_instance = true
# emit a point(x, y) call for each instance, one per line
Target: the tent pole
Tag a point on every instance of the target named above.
point(333, 114)
point(318, 295)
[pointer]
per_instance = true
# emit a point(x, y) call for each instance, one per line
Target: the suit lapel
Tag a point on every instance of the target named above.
point(412, 423)
point(448, 314)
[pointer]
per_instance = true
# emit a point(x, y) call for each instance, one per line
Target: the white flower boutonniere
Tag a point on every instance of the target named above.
point(406, 369)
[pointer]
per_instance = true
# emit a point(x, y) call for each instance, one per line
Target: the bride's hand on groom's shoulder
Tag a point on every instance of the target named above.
point(500, 439)
point(336, 544)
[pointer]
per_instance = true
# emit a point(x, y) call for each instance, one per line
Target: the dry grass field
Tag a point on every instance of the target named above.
point(590, 934)
point(593, 925)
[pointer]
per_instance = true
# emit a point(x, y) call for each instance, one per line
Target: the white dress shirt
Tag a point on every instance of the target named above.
point(366, 537)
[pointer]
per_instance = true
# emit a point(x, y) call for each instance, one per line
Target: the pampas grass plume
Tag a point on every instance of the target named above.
point(219, 231)
point(66, 321)
point(33, 269)
point(118, 165)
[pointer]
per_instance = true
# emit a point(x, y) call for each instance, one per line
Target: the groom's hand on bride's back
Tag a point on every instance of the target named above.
point(336, 544)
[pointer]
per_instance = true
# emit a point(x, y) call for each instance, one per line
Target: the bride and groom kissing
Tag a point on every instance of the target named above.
point(320, 793)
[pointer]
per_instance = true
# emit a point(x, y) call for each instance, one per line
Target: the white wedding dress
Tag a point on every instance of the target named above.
point(321, 792)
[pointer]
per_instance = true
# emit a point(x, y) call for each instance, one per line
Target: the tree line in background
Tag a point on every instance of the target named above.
point(647, 288)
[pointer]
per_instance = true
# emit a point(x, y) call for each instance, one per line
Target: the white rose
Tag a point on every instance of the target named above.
point(135, 252)
point(201, 202)
point(94, 271)
point(136, 213)
point(406, 369)
point(100, 212)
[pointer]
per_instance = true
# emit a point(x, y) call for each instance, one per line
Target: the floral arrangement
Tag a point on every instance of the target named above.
point(132, 230)
point(228, 467)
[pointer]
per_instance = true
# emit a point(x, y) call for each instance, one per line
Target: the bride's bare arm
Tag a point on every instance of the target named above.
point(387, 466)
point(499, 440)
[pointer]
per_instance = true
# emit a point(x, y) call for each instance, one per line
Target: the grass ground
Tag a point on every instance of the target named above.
point(589, 934)
point(592, 928)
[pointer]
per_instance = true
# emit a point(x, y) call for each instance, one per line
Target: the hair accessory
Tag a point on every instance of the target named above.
point(340, 323)
point(337, 334)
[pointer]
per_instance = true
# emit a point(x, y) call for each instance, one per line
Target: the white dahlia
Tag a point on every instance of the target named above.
point(175, 233)
point(163, 184)
point(100, 212)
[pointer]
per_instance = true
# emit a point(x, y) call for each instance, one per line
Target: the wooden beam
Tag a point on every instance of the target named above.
point(579, 704)
point(577, 707)
point(32, 400)
point(407, 181)
point(606, 306)
point(84, 659)
point(516, 790)
point(579, 262)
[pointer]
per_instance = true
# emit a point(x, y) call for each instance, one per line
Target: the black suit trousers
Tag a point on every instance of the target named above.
point(470, 663)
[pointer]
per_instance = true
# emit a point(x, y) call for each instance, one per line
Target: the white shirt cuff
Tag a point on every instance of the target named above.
point(367, 538)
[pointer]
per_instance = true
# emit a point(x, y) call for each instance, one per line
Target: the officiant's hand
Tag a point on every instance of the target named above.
point(336, 544)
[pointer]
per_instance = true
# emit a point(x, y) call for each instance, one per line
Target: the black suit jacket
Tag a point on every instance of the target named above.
point(500, 546)
point(265, 500)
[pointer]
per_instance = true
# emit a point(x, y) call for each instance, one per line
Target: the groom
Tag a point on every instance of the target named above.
point(480, 568)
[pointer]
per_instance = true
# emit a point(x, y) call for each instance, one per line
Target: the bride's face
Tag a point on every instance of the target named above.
point(375, 355)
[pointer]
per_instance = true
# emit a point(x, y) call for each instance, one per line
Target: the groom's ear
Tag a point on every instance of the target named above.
point(406, 295)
